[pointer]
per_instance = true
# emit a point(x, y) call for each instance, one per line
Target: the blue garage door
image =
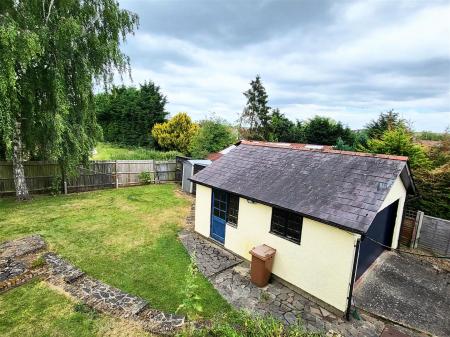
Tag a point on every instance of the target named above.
point(380, 230)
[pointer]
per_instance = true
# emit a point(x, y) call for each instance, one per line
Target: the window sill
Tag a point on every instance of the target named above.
point(232, 224)
point(285, 238)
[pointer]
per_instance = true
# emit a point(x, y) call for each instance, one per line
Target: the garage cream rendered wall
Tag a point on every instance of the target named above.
point(203, 209)
point(397, 192)
point(321, 265)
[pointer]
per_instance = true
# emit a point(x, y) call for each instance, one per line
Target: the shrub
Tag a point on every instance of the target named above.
point(176, 134)
point(191, 302)
point(243, 324)
point(214, 135)
point(146, 177)
point(55, 188)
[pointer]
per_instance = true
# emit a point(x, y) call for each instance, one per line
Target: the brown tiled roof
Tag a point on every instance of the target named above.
point(340, 188)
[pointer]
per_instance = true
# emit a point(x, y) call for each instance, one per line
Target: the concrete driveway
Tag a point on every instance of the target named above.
point(407, 290)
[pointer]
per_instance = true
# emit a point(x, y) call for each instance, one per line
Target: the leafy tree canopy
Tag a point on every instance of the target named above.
point(51, 51)
point(282, 129)
point(127, 115)
point(400, 142)
point(175, 134)
point(386, 121)
point(325, 131)
point(214, 135)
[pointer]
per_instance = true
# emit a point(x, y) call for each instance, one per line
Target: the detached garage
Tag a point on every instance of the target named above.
point(329, 214)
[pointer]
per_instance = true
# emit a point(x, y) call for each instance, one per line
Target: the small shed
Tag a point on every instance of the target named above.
point(191, 167)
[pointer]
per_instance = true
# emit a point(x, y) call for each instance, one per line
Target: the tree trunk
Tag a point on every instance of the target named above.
point(17, 159)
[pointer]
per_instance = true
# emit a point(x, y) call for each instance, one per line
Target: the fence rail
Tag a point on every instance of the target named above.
point(45, 176)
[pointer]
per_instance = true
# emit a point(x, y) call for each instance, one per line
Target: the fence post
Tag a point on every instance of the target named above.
point(155, 169)
point(65, 187)
point(116, 175)
point(417, 229)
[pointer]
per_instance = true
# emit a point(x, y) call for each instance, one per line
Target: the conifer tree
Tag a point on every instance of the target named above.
point(256, 114)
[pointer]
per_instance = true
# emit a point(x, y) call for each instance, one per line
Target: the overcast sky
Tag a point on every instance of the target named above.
point(345, 60)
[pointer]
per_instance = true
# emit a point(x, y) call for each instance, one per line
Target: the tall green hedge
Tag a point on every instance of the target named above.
point(127, 114)
point(434, 192)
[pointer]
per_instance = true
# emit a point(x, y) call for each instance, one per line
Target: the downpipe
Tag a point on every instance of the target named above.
point(352, 282)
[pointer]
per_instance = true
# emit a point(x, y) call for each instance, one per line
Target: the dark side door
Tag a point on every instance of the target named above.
point(381, 230)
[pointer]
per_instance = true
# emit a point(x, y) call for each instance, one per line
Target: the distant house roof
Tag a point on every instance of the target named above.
point(203, 162)
point(340, 188)
point(216, 155)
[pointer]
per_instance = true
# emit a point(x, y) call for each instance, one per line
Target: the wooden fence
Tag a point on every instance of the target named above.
point(408, 227)
point(434, 235)
point(426, 232)
point(45, 176)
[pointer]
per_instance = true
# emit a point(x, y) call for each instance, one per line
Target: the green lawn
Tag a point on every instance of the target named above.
point(35, 310)
point(106, 151)
point(126, 238)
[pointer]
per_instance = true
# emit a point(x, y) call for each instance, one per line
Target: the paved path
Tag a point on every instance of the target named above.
point(16, 268)
point(211, 258)
point(406, 289)
point(232, 280)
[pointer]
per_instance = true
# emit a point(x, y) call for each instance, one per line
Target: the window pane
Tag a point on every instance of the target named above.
point(223, 205)
point(286, 224)
point(278, 229)
point(233, 208)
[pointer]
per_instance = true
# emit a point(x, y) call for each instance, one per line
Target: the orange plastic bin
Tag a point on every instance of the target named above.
point(262, 261)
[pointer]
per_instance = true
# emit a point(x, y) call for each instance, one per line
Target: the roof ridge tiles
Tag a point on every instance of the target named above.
point(322, 149)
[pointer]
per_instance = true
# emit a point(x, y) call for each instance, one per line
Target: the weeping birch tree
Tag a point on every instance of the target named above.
point(51, 55)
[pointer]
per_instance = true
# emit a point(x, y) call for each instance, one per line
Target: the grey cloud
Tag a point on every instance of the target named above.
point(343, 59)
point(225, 24)
point(155, 58)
